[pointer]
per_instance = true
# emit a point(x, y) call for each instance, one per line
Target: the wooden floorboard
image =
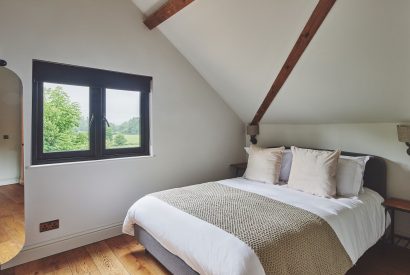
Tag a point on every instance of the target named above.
point(383, 259)
point(80, 262)
point(105, 259)
point(11, 221)
point(118, 255)
point(123, 255)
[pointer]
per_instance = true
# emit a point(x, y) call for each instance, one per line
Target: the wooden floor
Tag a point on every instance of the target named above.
point(11, 221)
point(123, 255)
point(118, 255)
point(383, 259)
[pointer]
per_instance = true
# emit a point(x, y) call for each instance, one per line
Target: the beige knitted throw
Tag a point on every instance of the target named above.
point(286, 239)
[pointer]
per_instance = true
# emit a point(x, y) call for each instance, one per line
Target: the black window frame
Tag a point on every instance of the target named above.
point(98, 80)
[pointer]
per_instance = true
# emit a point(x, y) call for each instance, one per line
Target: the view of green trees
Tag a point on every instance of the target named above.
point(125, 135)
point(61, 121)
point(66, 128)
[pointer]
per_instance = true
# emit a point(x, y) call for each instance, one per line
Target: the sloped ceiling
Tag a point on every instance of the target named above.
point(356, 69)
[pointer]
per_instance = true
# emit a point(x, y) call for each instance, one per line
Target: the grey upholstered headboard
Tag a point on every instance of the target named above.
point(374, 174)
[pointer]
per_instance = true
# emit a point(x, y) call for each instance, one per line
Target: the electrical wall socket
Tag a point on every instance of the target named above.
point(51, 225)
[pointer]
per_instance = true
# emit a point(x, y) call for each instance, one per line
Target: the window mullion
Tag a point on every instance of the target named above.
point(97, 112)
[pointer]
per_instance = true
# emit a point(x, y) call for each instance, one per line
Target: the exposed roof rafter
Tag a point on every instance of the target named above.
point(165, 12)
point(315, 21)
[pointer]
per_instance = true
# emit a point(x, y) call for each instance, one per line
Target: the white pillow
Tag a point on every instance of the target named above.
point(349, 177)
point(285, 166)
point(314, 171)
point(264, 164)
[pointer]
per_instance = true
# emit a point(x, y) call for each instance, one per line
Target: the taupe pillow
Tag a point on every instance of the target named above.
point(264, 164)
point(314, 171)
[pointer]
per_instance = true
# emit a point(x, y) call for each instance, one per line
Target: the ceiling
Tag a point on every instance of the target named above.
point(356, 69)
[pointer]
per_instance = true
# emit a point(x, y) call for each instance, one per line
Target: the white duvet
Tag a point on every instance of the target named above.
point(359, 223)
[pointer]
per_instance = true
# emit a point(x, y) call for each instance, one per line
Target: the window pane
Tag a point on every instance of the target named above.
point(65, 118)
point(122, 129)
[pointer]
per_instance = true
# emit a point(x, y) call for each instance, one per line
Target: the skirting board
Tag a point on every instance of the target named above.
point(38, 251)
point(9, 181)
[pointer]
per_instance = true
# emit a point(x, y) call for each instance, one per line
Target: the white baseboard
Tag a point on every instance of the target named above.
point(9, 181)
point(41, 250)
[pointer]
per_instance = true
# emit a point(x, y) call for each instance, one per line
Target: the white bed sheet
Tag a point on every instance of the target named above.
point(358, 222)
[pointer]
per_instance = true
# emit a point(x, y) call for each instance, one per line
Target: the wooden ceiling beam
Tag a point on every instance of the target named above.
point(165, 12)
point(315, 21)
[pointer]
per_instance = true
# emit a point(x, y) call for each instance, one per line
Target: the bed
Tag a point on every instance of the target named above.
point(186, 244)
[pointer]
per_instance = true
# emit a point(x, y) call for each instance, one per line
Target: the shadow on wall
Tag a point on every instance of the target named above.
point(400, 173)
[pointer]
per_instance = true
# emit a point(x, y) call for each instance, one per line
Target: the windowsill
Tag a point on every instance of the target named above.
point(87, 161)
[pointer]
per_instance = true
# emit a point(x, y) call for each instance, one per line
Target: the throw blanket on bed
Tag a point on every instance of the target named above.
point(286, 239)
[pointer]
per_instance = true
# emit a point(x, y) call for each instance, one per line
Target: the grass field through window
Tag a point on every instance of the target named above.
point(128, 141)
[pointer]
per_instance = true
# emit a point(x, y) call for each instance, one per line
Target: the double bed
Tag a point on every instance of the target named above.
point(176, 228)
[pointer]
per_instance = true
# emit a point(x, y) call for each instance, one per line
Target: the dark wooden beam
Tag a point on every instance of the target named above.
point(313, 24)
point(165, 11)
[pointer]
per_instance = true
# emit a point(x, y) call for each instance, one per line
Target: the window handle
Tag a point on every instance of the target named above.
point(106, 121)
point(91, 120)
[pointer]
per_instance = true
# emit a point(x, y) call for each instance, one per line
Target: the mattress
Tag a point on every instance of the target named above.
point(358, 222)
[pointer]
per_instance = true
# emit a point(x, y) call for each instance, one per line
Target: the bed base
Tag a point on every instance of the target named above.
point(171, 262)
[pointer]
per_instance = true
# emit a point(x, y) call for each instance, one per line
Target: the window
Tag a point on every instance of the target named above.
point(86, 114)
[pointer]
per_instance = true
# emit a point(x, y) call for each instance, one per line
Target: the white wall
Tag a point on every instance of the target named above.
point(10, 96)
point(373, 138)
point(195, 134)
